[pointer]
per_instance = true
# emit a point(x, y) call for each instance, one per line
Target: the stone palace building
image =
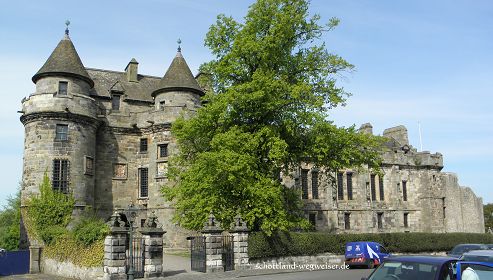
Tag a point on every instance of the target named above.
point(105, 136)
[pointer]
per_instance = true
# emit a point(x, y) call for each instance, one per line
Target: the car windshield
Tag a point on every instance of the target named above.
point(394, 270)
point(461, 249)
point(476, 258)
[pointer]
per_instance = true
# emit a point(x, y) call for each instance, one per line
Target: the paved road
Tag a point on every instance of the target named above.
point(354, 274)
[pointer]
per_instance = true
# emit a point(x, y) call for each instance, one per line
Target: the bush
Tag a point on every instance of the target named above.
point(89, 230)
point(51, 233)
point(50, 208)
point(312, 243)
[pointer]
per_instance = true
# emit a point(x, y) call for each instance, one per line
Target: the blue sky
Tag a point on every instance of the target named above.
point(427, 62)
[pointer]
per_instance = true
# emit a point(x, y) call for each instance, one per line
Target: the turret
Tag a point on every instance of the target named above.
point(178, 88)
point(60, 121)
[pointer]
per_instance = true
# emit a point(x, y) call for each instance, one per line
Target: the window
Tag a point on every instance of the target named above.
point(380, 220)
point(340, 188)
point(314, 184)
point(162, 150)
point(312, 217)
point(142, 222)
point(349, 177)
point(60, 175)
point(143, 182)
point(406, 221)
point(88, 165)
point(380, 184)
point(61, 132)
point(143, 145)
point(347, 220)
point(404, 190)
point(115, 102)
point(162, 104)
point(304, 183)
point(373, 188)
point(62, 88)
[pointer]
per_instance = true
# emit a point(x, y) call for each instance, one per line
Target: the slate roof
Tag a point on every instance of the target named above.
point(106, 81)
point(178, 77)
point(64, 61)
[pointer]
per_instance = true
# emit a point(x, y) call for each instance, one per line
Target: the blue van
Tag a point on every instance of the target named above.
point(364, 253)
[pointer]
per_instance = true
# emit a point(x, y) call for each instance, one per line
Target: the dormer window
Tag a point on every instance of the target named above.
point(62, 88)
point(115, 102)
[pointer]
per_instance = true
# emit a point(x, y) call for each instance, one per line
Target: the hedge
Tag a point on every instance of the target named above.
point(312, 243)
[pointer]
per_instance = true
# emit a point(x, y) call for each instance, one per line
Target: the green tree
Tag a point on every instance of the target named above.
point(273, 84)
point(10, 223)
point(488, 216)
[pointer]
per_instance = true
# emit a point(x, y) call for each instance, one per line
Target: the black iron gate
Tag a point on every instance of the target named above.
point(197, 252)
point(138, 256)
point(228, 253)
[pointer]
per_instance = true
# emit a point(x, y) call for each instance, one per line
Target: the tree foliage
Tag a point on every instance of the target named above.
point(273, 84)
point(10, 223)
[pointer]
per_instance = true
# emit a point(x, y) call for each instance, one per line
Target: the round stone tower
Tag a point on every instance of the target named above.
point(178, 89)
point(60, 122)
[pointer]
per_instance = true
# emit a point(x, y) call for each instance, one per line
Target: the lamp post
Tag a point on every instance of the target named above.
point(131, 213)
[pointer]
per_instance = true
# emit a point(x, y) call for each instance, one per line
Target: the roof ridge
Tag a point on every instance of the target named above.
point(119, 72)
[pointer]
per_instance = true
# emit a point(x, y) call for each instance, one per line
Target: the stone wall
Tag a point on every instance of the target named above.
point(69, 270)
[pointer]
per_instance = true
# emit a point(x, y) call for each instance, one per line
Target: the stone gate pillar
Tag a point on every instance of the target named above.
point(153, 247)
point(114, 250)
point(240, 243)
point(213, 245)
point(35, 258)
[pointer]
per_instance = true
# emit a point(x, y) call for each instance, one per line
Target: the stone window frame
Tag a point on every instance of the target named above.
point(349, 185)
point(347, 220)
point(158, 150)
point(406, 220)
point(88, 171)
point(59, 134)
point(57, 176)
point(59, 91)
point(380, 220)
point(304, 183)
point(119, 95)
point(142, 183)
point(125, 165)
point(315, 184)
point(142, 145)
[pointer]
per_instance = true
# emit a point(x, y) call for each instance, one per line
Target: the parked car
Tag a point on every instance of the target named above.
point(469, 270)
point(365, 253)
point(460, 249)
point(490, 246)
point(414, 268)
point(478, 256)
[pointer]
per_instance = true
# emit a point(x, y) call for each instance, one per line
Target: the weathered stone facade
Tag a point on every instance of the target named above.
point(411, 194)
point(105, 136)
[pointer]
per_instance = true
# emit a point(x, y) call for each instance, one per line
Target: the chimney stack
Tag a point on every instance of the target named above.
point(132, 70)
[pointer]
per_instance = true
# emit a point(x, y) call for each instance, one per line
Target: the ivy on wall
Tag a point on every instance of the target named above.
point(46, 219)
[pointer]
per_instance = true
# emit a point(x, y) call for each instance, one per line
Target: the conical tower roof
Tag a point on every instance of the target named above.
point(178, 77)
point(64, 61)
